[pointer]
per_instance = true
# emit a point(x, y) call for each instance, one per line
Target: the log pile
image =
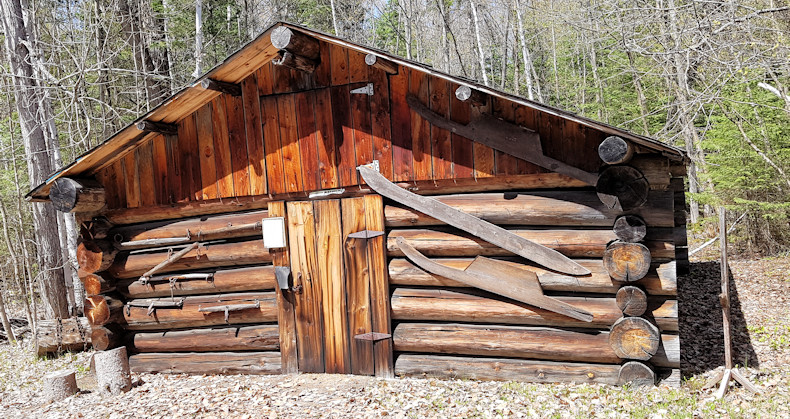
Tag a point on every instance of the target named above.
point(168, 289)
point(624, 233)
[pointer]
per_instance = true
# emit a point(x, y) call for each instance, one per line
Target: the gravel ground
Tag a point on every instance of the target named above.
point(761, 327)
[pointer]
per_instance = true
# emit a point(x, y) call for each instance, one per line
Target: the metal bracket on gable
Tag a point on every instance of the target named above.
point(373, 336)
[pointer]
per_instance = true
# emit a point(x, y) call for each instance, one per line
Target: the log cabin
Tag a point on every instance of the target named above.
point(314, 205)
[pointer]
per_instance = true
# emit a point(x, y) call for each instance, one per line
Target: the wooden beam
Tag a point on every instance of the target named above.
point(475, 97)
point(248, 338)
point(295, 42)
point(207, 363)
point(232, 89)
point(385, 65)
point(77, 195)
point(615, 150)
point(473, 225)
point(159, 127)
point(505, 137)
point(297, 62)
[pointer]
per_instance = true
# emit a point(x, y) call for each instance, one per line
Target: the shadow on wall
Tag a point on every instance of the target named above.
point(700, 317)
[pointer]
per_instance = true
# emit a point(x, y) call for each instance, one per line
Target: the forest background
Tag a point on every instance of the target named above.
point(709, 76)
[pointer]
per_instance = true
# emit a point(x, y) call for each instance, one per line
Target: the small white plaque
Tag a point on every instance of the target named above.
point(273, 232)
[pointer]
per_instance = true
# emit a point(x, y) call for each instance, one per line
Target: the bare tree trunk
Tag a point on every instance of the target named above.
point(526, 56)
point(169, 45)
point(198, 38)
point(9, 332)
point(28, 103)
point(334, 17)
point(20, 280)
point(480, 55)
point(640, 93)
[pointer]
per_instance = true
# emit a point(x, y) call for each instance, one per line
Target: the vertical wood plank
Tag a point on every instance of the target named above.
point(357, 69)
point(219, 121)
point(330, 273)
point(307, 302)
point(402, 156)
point(286, 320)
point(322, 76)
point(484, 155)
point(282, 78)
point(254, 132)
point(420, 128)
point(361, 123)
point(463, 149)
point(441, 145)
point(108, 178)
point(119, 168)
point(237, 139)
point(132, 180)
point(357, 286)
point(161, 184)
point(505, 164)
point(174, 171)
point(145, 171)
point(380, 121)
point(339, 58)
point(271, 144)
point(208, 163)
point(289, 143)
point(308, 149)
point(189, 152)
point(344, 136)
point(525, 116)
point(264, 78)
point(325, 140)
point(379, 287)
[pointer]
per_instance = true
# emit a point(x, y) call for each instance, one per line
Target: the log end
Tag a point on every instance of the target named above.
point(631, 300)
point(634, 338)
point(636, 374)
point(630, 228)
point(627, 262)
point(615, 150)
point(624, 186)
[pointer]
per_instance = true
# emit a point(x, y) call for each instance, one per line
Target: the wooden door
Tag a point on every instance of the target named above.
point(341, 286)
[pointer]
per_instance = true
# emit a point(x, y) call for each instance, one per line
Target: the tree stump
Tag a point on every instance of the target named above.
point(630, 228)
point(627, 262)
point(631, 300)
point(624, 185)
point(634, 338)
point(636, 374)
point(60, 385)
point(112, 371)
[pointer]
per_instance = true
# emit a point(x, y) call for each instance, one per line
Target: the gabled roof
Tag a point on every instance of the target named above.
point(251, 57)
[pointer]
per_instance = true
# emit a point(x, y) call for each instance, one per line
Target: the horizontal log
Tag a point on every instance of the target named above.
point(474, 96)
point(95, 255)
point(297, 42)
point(232, 89)
point(192, 227)
point(101, 310)
point(158, 127)
point(504, 369)
point(95, 228)
point(107, 337)
point(97, 283)
point(253, 278)
point(521, 342)
point(295, 61)
point(438, 242)
point(249, 338)
point(467, 305)
point(77, 195)
point(615, 150)
point(505, 341)
point(72, 335)
point(660, 280)
point(387, 66)
point(212, 255)
point(206, 363)
point(551, 208)
point(187, 316)
point(426, 187)
point(634, 338)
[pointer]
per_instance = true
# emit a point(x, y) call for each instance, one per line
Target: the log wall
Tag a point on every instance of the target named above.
point(175, 319)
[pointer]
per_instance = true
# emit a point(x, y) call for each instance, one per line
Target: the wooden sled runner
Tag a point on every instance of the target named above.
point(499, 278)
point(489, 232)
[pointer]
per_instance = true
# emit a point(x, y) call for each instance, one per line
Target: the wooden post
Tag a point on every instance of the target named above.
point(286, 319)
point(60, 385)
point(723, 378)
point(112, 371)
